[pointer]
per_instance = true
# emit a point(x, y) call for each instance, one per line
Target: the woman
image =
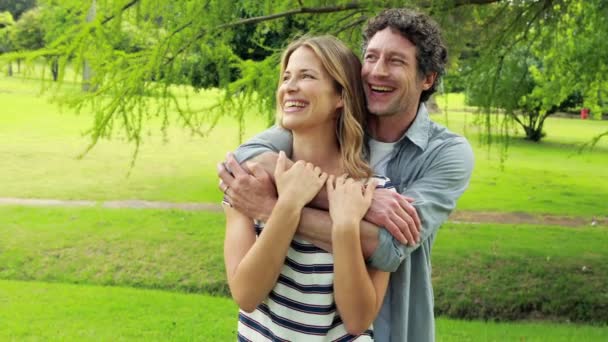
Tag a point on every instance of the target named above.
point(287, 288)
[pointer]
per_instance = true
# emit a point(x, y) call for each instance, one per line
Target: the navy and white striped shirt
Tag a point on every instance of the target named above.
point(301, 306)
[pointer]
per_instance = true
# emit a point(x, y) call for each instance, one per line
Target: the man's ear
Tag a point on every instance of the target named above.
point(428, 80)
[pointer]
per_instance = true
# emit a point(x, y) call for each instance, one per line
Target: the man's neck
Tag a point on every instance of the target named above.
point(390, 128)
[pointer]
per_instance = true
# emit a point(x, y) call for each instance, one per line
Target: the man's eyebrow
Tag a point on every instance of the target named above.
point(389, 53)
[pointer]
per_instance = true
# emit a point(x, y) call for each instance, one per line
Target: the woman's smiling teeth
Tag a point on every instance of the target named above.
point(294, 104)
point(381, 89)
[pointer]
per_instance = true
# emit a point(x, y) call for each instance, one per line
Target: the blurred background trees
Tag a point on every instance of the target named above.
point(527, 59)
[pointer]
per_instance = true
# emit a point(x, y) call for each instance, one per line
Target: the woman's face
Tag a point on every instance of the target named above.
point(307, 95)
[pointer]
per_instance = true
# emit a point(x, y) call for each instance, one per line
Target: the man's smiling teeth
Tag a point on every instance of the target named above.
point(290, 104)
point(382, 88)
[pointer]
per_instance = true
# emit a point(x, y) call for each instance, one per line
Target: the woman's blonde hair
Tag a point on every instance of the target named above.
point(344, 68)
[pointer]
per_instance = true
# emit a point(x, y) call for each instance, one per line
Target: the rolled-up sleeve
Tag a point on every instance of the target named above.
point(274, 139)
point(445, 179)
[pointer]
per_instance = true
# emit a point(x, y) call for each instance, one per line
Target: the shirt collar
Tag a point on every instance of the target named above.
point(418, 132)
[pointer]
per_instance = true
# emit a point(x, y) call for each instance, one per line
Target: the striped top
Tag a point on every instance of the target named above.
point(301, 306)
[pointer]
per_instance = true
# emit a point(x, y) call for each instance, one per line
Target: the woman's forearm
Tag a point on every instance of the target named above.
point(356, 295)
point(258, 271)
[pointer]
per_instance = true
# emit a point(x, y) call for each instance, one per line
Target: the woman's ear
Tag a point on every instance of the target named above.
point(340, 103)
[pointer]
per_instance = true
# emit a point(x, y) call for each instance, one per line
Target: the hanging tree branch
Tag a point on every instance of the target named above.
point(122, 9)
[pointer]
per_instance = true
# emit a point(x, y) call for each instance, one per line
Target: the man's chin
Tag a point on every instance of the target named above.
point(380, 111)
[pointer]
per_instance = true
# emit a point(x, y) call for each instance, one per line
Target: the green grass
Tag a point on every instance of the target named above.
point(32, 311)
point(173, 250)
point(480, 271)
point(40, 149)
point(550, 177)
point(515, 272)
point(41, 144)
point(473, 331)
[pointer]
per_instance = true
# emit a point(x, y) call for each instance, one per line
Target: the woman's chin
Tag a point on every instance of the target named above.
point(291, 124)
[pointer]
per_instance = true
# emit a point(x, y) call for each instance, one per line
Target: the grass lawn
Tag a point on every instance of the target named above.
point(142, 248)
point(40, 149)
point(43, 311)
point(40, 146)
point(547, 177)
point(479, 271)
point(34, 311)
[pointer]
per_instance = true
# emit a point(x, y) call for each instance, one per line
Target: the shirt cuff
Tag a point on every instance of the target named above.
point(387, 256)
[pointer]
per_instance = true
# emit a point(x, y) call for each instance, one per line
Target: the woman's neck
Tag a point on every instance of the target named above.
point(319, 146)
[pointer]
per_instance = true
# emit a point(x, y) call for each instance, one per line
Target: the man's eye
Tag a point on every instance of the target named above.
point(398, 61)
point(370, 58)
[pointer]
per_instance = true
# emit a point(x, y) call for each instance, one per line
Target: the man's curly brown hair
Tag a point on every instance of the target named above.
point(422, 31)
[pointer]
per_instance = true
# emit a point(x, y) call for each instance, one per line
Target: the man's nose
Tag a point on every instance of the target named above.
point(380, 68)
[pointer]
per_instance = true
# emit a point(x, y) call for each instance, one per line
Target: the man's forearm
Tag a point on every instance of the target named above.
point(315, 227)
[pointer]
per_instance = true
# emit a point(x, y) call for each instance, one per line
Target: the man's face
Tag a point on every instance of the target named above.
point(391, 81)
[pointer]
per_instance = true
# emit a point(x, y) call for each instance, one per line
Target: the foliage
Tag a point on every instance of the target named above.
point(16, 7)
point(140, 49)
point(6, 19)
point(27, 33)
point(557, 62)
point(6, 23)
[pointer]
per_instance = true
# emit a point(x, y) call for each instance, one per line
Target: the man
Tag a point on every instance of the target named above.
point(404, 57)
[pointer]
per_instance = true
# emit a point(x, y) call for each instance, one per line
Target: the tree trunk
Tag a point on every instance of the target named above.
point(87, 73)
point(533, 134)
point(55, 68)
point(534, 131)
point(10, 69)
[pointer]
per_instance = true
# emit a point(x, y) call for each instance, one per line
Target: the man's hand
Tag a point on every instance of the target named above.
point(252, 193)
point(395, 213)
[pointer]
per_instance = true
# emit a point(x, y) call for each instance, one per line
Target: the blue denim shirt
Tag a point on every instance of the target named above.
point(432, 165)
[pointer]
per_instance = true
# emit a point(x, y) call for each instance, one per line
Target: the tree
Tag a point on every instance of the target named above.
point(27, 33)
point(6, 45)
point(237, 44)
point(16, 7)
point(557, 61)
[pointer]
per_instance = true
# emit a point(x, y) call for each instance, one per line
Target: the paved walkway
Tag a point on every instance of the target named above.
point(459, 216)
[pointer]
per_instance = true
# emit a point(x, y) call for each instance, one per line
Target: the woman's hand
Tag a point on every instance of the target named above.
point(300, 183)
point(349, 200)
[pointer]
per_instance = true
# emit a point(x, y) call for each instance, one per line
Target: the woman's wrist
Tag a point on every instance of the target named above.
point(346, 225)
point(288, 205)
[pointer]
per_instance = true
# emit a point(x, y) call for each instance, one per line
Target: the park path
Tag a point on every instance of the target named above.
point(459, 216)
